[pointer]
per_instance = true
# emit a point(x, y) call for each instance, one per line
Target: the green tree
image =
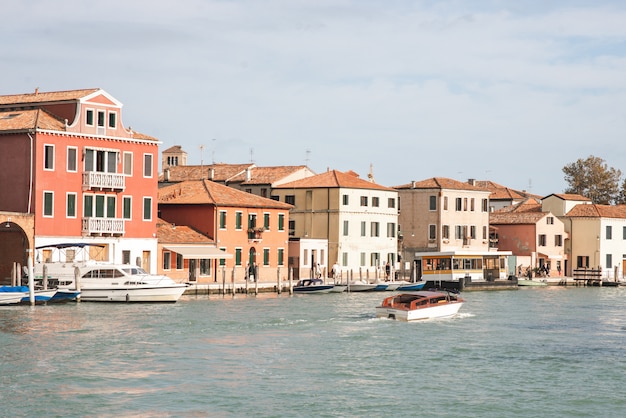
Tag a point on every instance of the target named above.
point(592, 178)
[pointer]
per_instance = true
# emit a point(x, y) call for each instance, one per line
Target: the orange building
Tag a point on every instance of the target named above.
point(253, 229)
point(66, 158)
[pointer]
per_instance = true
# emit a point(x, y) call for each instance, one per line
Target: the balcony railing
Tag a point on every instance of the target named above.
point(100, 180)
point(103, 226)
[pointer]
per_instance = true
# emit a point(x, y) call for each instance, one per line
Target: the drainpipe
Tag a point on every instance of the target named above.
point(30, 182)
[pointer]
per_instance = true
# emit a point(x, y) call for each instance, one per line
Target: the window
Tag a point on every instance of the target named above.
point(147, 165)
point(391, 202)
point(473, 231)
point(222, 260)
point(147, 208)
point(363, 228)
point(362, 260)
point(345, 199)
point(89, 117)
point(128, 163)
point(582, 261)
point(550, 220)
point(459, 204)
point(72, 159)
point(292, 228)
point(465, 203)
point(48, 157)
point(237, 256)
point(344, 259)
point(609, 261)
point(432, 203)
point(48, 204)
point(542, 240)
point(445, 203)
point(101, 118)
point(205, 267)
point(485, 205)
point(222, 219)
point(88, 206)
point(281, 222)
point(375, 202)
point(445, 232)
point(432, 231)
point(110, 207)
point(281, 256)
point(248, 191)
point(609, 232)
point(290, 199)
point(484, 232)
point(266, 256)
point(363, 200)
point(472, 204)
point(238, 220)
point(167, 260)
point(100, 161)
point(375, 229)
point(458, 232)
point(558, 240)
point(112, 120)
point(126, 207)
point(180, 263)
point(126, 257)
point(391, 230)
point(71, 205)
point(345, 228)
point(624, 232)
point(266, 221)
point(375, 259)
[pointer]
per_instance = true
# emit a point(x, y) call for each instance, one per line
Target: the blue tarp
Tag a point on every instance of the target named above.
point(6, 289)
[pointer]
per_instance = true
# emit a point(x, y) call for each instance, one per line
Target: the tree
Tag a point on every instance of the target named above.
point(593, 179)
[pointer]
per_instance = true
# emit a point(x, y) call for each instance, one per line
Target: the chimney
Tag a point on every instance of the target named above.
point(248, 174)
point(211, 173)
point(36, 91)
point(412, 184)
point(472, 182)
point(166, 174)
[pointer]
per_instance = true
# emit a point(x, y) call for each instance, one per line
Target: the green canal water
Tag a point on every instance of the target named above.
point(553, 352)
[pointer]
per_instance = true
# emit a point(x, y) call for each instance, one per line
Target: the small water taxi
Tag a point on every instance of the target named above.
point(419, 305)
point(312, 286)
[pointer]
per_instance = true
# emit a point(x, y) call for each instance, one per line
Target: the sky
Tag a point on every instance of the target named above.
point(507, 91)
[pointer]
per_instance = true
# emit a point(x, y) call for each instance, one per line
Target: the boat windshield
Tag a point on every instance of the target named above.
point(133, 271)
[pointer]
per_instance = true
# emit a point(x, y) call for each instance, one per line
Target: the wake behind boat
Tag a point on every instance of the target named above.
point(419, 305)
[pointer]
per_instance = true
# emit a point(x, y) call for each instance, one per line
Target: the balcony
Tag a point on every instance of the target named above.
point(103, 226)
point(97, 180)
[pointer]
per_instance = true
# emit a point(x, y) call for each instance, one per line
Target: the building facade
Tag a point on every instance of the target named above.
point(67, 158)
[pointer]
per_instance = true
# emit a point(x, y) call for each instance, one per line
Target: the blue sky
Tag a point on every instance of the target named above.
point(509, 91)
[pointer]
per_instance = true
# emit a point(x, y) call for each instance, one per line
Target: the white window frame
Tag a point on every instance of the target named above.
point(127, 169)
point(45, 153)
point(145, 164)
point(108, 121)
point(67, 165)
point(143, 208)
point(130, 199)
point(67, 196)
point(93, 117)
point(43, 208)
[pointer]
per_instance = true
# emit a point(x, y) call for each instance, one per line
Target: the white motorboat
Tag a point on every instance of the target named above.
point(419, 305)
point(22, 294)
point(361, 286)
point(531, 282)
point(10, 297)
point(106, 282)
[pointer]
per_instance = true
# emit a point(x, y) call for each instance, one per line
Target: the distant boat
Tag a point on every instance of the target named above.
point(312, 286)
point(531, 282)
point(411, 286)
point(419, 305)
point(361, 286)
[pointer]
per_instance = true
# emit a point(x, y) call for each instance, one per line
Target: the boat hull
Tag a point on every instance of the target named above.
point(411, 286)
point(314, 289)
point(527, 282)
point(444, 311)
point(362, 287)
point(133, 294)
point(10, 298)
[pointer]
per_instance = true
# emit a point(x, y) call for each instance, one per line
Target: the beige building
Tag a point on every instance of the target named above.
point(358, 218)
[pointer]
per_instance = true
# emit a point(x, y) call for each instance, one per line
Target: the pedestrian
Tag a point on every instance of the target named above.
point(335, 270)
point(387, 271)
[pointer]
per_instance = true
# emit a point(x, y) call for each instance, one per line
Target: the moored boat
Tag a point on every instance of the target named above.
point(419, 305)
point(312, 286)
point(531, 282)
point(361, 286)
point(106, 282)
point(23, 294)
point(411, 286)
point(9, 297)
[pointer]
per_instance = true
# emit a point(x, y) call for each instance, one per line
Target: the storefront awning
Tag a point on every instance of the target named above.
point(198, 251)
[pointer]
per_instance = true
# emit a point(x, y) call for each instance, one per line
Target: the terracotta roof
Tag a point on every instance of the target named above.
point(333, 179)
point(221, 172)
point(179, 234)
point(440, 183)
point(568, 196)
point(527, 205)
point(15, 120)
point(598, 211)
point(268, 175)
point(175, 148)
point(208, 192)
point(500, 218)
point(41, 97)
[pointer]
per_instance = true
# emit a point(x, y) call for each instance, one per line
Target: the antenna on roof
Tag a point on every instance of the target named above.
point(201, 154)
point(308, 155)
point(370, 175)
point(251, 154)
point(213, 152)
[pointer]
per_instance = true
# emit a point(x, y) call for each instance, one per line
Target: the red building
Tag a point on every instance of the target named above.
point(67, 158)
point(253, 229)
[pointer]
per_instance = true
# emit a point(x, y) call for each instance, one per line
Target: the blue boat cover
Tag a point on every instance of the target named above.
point(6, 289)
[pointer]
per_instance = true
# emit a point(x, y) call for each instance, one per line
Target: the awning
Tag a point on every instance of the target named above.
point(198, 251)
point(552, 257)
